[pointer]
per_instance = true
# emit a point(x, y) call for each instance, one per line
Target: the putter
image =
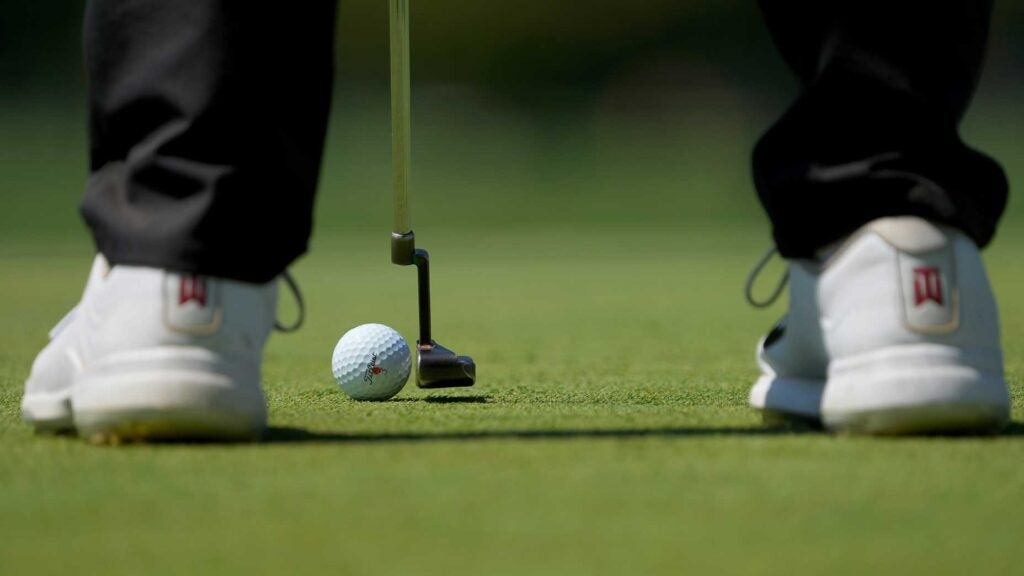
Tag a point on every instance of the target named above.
point(436, 366)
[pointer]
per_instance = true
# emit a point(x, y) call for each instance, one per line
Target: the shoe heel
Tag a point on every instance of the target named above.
point(170, 393)
point(914, 389)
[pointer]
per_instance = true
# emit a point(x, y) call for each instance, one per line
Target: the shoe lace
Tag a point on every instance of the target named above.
point(293, 287)
point(752, 279)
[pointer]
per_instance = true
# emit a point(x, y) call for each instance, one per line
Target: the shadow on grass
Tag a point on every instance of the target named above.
point(291, 435)
point(285, 435)
point(443, 400)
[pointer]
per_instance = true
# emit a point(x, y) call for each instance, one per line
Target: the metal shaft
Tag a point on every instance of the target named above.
point(401, 125)
point(422, 260)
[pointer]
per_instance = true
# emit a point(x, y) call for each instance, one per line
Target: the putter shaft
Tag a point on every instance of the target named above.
point(401, 113)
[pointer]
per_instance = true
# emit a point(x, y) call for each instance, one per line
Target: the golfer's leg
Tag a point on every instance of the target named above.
point(207, 123)
point(897, 331)
point(874, 131)
point(207, 127)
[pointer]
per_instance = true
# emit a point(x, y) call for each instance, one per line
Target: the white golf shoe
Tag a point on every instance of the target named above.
point(792, 357)
point(910, 330)
point(150, 354)
point(46, 404)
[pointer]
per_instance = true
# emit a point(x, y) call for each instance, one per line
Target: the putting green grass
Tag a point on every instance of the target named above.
point(608, 434)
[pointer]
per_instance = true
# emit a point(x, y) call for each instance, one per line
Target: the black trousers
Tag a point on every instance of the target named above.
point(875, 131)
point(208, 122)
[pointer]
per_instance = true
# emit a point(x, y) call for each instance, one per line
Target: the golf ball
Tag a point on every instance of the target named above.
point(371, 362)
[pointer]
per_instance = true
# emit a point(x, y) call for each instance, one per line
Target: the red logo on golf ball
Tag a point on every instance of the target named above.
point(373, 369)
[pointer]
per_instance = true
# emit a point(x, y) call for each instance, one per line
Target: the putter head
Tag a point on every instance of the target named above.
point(439, 367)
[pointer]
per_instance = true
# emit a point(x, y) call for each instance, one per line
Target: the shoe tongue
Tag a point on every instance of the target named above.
point(64, 323)
point(100, 269)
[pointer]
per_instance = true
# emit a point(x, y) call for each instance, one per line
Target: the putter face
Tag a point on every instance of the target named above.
point(439, 367)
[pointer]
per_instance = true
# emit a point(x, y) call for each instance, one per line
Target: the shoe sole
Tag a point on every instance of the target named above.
point(48, 413)
point(917, 389)
point(169, 394)
point(782, 398)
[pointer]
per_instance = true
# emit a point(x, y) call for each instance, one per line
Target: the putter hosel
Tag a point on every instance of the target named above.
point(405, 253)
point(422, 261)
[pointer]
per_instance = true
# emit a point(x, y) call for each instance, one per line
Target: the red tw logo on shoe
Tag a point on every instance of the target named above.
point(191, 303)
point(927, 285)
point(193, 289)
point(929, 292)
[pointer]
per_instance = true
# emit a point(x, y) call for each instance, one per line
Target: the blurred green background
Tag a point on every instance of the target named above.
point(639, 114)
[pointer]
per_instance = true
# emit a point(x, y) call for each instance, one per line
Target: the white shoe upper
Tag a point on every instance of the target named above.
point(909, 327)
point(912, 330)
point(141, 336)
point(792, 357)
point(904, 281)
point(47, 400)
